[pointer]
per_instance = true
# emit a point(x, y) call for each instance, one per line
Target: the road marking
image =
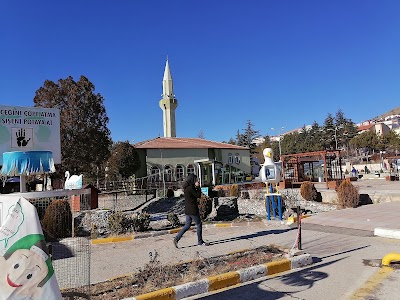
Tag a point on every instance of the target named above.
point(372, 283)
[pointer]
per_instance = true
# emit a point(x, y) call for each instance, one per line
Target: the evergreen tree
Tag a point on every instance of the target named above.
point(200, 135)
point(123, 162)
point(345, 129)
point(85, 138)
point(316, 137)
point(260, 148)
point(249, 134)
point(329, 132)
point(367, 140)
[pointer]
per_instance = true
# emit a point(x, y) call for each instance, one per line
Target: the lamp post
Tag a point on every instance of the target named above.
point(335, 138)
point(105, 177)
point(279, 140)
point(97, 177)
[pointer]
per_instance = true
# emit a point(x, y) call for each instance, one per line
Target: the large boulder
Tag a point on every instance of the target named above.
point(224, 208)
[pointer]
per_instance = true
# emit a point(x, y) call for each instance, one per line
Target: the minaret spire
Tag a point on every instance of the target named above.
point(168, 103)
point(168, 89)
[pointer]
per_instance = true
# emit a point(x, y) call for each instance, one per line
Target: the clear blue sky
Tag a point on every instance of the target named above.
point(276, 63)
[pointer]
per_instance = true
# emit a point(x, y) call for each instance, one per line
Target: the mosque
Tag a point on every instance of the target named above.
point(170, 158)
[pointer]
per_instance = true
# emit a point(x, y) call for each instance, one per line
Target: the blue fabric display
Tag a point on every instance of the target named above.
point(27, 163)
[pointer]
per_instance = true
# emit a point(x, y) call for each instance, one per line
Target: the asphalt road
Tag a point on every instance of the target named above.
point(346, 267)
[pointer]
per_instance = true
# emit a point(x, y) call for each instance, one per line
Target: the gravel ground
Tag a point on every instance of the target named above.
point(253, 208)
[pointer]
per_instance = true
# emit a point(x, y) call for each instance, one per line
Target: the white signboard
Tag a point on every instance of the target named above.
point(29, 129)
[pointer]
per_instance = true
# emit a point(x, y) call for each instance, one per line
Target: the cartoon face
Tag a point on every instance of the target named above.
point(22, 272)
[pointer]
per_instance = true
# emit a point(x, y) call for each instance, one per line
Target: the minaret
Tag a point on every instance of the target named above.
point(168, 104)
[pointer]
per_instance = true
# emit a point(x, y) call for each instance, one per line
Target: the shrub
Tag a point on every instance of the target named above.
point(57, 220)
point(141, 221)
point(170, 193)
point(41, 206)
point(220, 191)
point(174, 220)
point(119, 223)
point(234, 190)
point(205, 206)
point(308, 191)
point(348, 195)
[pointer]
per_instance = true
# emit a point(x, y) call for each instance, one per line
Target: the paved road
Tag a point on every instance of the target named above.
point(342, 271)
point(341, 242)
point(340, 267)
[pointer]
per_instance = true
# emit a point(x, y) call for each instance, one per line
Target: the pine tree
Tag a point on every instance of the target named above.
point(85, 138)
point(123, 162)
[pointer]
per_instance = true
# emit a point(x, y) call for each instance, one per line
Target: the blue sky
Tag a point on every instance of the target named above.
point(282, 63)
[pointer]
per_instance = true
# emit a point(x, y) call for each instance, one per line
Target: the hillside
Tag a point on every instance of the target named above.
point(394, 111)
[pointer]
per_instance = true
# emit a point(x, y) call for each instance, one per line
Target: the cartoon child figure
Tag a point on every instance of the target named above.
point(25, 268)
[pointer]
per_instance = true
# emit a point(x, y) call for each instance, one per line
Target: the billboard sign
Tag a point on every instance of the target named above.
point(30, 129)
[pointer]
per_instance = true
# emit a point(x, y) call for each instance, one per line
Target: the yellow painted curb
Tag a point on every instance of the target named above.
point(224, 280)
point(388, 258)
point(112, 240)
point(223, 225)
point(175, 230)
point(164, 294)
point(278, 266)
point(369, 287)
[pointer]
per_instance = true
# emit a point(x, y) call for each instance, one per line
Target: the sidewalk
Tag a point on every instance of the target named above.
point(363, 220)
point(339, 240)
point(131, 255)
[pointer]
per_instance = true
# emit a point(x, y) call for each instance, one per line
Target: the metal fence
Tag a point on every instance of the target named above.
point(70, 252)
point(125, 200)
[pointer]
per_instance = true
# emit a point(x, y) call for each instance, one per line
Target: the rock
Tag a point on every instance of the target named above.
point(224, 208)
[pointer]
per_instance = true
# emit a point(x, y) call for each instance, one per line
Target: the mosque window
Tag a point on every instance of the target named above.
point(237, 158)
point(168, 173)
point(180, 173)
point(190, 169)
point(154, 174)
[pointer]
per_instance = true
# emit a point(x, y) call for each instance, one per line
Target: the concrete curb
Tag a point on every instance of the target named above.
point(214, 283)
point(169, 231)
point(388, 233)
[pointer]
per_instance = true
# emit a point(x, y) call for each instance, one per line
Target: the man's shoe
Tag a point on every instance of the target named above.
point(203, 243)
point(176, 243)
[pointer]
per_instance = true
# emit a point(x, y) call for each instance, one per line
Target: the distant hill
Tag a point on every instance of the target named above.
point(394, 111)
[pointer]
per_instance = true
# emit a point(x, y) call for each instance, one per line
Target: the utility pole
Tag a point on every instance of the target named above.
point(279, 140)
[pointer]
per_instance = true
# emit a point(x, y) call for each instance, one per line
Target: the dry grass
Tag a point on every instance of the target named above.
point(154, 276)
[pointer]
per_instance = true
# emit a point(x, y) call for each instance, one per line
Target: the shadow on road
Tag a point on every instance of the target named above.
point(300, 281)
point(250, 236)
point(294, 282)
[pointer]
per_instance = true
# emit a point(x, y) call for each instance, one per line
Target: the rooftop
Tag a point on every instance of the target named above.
point(184, 143)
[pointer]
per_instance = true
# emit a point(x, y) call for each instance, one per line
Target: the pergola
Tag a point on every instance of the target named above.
point(311, 166)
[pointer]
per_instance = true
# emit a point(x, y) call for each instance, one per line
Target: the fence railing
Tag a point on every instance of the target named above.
point(125, 200)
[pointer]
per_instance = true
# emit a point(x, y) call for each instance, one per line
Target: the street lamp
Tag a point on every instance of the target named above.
point(279, 140)
point(335, 138)
point(106, 175)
